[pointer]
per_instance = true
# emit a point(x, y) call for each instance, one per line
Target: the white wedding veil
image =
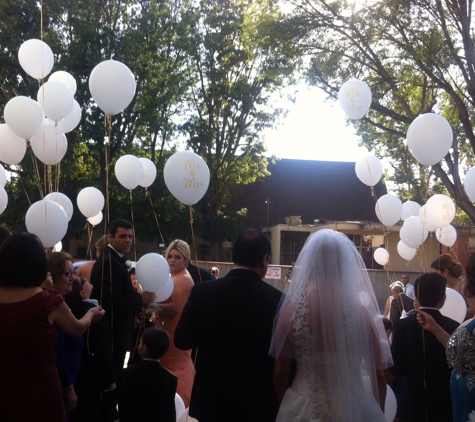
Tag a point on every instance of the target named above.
point(329, 321)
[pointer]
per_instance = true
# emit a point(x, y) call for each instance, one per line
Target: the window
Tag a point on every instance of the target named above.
point(366, 244)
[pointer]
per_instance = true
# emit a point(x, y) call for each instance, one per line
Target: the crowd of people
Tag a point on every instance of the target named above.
point(233, 348)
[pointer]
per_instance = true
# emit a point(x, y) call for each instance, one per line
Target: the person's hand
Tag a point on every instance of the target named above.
point(148, 298)
point(97, 313)
point(111, 387)
point(425, 320)
point(417, 305)
point(71, 398)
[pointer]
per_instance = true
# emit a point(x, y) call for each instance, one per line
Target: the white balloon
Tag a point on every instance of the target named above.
point(410, 208)
point(149, 172)
point(129, 171)
point(112, 86)
point(381, 256)
point(440, 210)
point(66, 78)
point(90, 201)
point(48, 221)
point(454, 306)
point(413, 233)
point(12, 147)
point(3, 176)
point(96, 219)
point(152, 272)
point(71, 121)
point(55, 99)
point(388, 209)
point(423, 217)
point(429, 138)
point(405, 251)
point(58, 247)
point(179, 406)
point(369, 170)
point(446, 235)
point(49, 144)
point(166, 291)
point(23, 116)
point(63, 201)
point(355, 98)
point(469, 183)
point(186, 176)
point(3, 199)
point(36, 58)
point(390, 405)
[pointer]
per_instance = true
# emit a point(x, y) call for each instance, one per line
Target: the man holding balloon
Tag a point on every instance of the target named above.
point(115, 293)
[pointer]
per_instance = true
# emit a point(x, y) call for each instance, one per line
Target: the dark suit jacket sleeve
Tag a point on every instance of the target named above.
point(397, 350)
point(187, 328)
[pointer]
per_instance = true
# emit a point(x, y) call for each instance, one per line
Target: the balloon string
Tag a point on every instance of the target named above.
point(23, 186)
point(108, 124)
point(89, 231)
point(36, 169)
point(50, 183)
point(147, 193)
point(193, 240)
point(133, 224)
point(41, 21)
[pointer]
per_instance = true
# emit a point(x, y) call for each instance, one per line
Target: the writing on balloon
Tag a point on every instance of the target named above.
point(446, 212)
point(352, 94)
point(191, 182)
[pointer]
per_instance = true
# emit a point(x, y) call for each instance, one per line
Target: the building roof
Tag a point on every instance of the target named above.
point(323, 190)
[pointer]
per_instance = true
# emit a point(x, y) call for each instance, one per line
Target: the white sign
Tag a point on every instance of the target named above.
point(274, 272)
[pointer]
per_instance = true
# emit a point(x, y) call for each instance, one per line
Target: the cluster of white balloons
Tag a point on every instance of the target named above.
point(132, 171)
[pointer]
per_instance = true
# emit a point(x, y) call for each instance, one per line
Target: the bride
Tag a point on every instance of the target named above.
point(329, 323)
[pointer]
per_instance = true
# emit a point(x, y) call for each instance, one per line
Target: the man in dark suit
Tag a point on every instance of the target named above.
point(148, 392)
point(420, 356)
point(230, 321)
point(198, 274)
point(115, 293)
point(400, 303)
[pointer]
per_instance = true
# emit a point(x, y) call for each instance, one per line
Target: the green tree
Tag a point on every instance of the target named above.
point(417, 57)
point(240, 56)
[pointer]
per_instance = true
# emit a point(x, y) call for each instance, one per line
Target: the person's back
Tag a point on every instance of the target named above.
point(230, 321)
point(421, 357)
point(148, 391)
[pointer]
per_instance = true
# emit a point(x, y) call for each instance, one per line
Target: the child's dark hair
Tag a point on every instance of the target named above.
point(157, 342)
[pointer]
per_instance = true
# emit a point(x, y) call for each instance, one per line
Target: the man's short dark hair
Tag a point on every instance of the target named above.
point(157, 342)
point(121, 223)
point(250, 247)
point(430, 288)
point(23, 260)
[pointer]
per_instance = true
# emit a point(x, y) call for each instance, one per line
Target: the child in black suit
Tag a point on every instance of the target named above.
point(148, 390)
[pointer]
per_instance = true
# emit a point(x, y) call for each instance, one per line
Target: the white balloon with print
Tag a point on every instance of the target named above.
point(440, 210)
point(381, 256)
point(112, 86)
point(355, 98)
point(36, 58)
point(49, 144)
point(429, 138)
point(388, 209)
point(186, 176)
point(23, 116)
point(55, 99)
point(152, 272)
point(90, 201)
point(422, 216)
point(66, 78)
point(3, 199)
point(405, 251)
point(409, 209)
point(12, 147)
point(63, 201)
point(48, 221)
point(369, 170)
point(149, 172)
point(413, 233)
point(446, 235)
point(454, 306)
point(129, 171)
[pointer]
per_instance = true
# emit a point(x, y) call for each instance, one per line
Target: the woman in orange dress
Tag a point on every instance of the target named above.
point(169, 312)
